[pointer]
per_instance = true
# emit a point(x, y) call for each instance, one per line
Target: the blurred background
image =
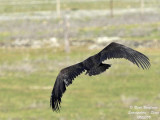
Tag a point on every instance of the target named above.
point(40, 37)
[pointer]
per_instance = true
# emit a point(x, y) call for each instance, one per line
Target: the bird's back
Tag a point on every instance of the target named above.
point(92, 61)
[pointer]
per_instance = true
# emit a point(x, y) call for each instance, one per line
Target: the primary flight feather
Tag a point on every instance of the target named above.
point(94, 66)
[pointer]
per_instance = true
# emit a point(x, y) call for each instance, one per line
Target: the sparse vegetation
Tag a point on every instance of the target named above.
point(31, 6)
point(27, 74)
point(26, 96)
point(123, 26)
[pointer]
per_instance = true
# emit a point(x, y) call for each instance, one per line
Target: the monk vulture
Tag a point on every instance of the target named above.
point(94, 66)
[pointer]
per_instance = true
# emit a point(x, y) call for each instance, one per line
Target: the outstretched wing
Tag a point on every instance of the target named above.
point(115, 50)
point(64, 79)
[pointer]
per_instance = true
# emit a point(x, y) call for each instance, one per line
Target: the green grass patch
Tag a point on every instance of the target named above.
point(107, 96)
point(30, 6)
point(136, 32)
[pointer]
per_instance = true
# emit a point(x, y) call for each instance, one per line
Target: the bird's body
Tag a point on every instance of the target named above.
point(94, 66)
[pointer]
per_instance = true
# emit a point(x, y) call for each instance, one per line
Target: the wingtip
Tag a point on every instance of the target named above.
point(145, 67)
point(55, 106)
point(56, 110)
point(55, 102)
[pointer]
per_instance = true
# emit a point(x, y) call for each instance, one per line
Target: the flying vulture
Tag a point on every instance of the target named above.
point(93, 66)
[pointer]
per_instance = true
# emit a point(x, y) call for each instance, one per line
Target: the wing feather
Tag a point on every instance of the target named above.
point(64, 79)
point(115, 50)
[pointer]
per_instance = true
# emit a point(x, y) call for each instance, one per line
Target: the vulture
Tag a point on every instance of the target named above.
point(94, 65)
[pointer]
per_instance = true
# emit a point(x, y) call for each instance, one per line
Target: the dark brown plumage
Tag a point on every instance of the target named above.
point(94, 66)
